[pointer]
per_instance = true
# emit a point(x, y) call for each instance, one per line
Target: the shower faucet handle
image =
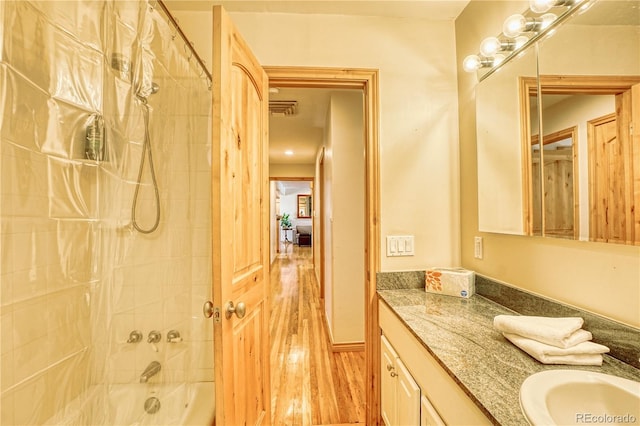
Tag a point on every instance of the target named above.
point(135, 336)
point(154, 336)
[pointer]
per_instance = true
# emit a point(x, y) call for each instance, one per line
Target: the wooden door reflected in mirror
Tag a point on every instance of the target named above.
point(304, 206)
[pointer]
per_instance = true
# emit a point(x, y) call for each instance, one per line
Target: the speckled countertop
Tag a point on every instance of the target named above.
point(459, 333)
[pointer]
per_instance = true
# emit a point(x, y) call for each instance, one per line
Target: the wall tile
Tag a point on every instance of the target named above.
point(32, 404)
point(7, 377)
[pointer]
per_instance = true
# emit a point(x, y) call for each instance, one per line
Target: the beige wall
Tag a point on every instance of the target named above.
point(344, 285)
point(418, 110)
point(602, 278)
point(291, 170)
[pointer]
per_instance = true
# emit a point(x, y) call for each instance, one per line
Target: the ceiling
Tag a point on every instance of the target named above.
point(431, 9)
point(288, 187)
point(303, 131)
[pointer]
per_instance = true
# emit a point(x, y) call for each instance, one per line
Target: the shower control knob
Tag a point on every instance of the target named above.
point(173, 336)
point(135, 336)
point(154, 336)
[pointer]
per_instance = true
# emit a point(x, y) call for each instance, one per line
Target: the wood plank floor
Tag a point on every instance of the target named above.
point(310, 385)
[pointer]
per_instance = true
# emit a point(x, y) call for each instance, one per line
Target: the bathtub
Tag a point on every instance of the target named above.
point(176, 404)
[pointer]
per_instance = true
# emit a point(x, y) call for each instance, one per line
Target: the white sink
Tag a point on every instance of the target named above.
point(577, 397)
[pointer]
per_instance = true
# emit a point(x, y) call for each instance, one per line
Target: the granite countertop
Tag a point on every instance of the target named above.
point(459, 333)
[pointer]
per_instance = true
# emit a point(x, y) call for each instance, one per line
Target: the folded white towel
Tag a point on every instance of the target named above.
point(560, 332)
point(585, 353)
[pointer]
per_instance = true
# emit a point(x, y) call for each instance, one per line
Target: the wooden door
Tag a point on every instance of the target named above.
point(614, 172)
point(240, 228)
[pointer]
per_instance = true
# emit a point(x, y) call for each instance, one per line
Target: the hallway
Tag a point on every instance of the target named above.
point(309, 384)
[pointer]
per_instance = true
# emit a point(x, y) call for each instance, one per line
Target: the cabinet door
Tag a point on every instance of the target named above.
point(407, 397)
point(387, 382)
point(428, 415)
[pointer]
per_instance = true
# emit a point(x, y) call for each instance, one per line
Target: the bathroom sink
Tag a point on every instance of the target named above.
point(573, 397)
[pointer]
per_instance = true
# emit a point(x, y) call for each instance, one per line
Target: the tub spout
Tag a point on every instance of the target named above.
point(152, 369)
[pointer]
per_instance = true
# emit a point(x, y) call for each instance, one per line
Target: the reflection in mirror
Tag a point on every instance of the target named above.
point(304, 206)
point(500, 116)
point(561, 213)
point(587, 71)
point(583, 180)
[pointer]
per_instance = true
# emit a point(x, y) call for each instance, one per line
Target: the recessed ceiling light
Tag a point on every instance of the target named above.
point(288, 152)
point(274, 90)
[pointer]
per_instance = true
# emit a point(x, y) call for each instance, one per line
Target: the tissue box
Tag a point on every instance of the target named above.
point(458, 282)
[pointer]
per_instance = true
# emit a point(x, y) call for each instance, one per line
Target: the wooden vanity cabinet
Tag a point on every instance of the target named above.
point(440, 399)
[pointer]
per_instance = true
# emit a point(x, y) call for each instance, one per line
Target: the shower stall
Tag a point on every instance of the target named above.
point(105, 250)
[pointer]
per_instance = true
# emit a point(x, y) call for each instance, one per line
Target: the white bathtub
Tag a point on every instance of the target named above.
point(180, 404)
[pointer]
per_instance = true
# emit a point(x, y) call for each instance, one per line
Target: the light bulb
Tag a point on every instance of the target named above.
point(514, 25)
point(546, 20)
point(497, 59)
point(541, 6)
point(521, 41)
point(490, 46)
point(471, 63)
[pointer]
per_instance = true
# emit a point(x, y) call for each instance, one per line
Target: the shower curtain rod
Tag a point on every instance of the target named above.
point(184, 38)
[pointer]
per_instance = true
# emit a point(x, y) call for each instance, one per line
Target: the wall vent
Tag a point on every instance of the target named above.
point(283, 107)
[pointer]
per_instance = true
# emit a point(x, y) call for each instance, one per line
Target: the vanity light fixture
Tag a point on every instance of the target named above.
point(542, 6)
point(518, 24)
point(492, 45)
point(475, 62)
point(518, 31)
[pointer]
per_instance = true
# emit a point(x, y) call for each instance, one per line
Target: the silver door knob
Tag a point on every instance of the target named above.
point(240, 310)
point(207, 309)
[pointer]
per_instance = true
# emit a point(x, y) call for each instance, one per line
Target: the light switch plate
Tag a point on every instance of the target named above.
point(400, 245)
point(477, 247)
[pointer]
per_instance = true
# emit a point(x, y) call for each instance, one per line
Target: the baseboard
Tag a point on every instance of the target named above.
point(339, 347)
point(347, 347)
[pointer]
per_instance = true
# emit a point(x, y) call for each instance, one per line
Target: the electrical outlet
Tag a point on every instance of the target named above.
point(477, 247)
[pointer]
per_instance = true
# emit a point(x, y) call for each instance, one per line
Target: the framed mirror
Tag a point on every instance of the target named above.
point(304, 206)
point(581, 179)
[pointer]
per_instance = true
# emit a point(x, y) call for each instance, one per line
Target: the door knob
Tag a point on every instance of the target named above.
point(207, 309)
point(240, 310)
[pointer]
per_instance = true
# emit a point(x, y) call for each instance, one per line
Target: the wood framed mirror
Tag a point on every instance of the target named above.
point(304, 206)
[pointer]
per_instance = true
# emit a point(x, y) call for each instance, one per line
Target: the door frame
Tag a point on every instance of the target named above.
point(366, 80)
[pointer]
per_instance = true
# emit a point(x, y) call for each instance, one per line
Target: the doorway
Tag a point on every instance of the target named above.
point(367, 81)
point(291, 214)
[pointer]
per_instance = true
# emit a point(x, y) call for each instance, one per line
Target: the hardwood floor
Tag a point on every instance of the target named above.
point(310, 385)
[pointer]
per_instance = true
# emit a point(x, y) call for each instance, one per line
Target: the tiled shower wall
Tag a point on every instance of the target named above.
point(76, 279)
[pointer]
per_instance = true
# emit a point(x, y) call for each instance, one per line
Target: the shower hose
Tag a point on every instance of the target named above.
point(146, 150)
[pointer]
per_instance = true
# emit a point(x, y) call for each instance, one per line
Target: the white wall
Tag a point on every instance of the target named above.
point(346, 316)
point(289, 204)
point(273, 223)
point(419, 182)
point(291, 170)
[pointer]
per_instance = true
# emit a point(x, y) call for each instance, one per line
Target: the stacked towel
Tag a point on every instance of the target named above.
point(551, 340)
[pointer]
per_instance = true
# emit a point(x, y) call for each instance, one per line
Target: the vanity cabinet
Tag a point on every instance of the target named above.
point(400, 394)
point(440, 399)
